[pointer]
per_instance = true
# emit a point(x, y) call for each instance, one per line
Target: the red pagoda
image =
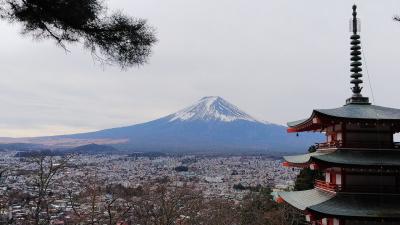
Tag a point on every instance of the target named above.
point(359, 160)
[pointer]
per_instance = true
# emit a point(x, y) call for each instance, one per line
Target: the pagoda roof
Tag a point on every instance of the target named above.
point(352, 112)
point(362, 111)
point(350, 157)
point(302, 159)
point(296, 123)
point(305, 199)
point(360, 205)
point(344, 204)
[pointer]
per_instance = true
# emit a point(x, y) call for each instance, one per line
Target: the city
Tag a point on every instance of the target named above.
point(216, 177)
point(154, 112)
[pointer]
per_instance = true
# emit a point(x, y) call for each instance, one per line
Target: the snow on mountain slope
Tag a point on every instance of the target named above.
point(212, 108)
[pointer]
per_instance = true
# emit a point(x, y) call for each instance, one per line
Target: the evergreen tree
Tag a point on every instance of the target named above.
point(112, 38)
point(305, 179)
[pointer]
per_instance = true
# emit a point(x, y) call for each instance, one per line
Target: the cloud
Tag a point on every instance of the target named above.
point(277, 60)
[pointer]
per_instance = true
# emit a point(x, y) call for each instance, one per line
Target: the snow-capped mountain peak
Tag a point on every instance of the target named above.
point(211, 108)
point(210, 125)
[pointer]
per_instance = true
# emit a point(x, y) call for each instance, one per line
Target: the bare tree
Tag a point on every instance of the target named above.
point(43, 180)
point(258, 208)
point(117, 209)
point(85, 202)
point(162, 205)
point(220, 211)
point(98, 203)
point(287, 214)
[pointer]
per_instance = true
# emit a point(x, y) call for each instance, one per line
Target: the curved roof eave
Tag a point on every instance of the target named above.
point(304, 158)
point(296, 123)
point(344, 204)
point(360, 111)
point(360, 206)
point(302, 121)
point(305, 199)
point(350, 157)
point(353, 111)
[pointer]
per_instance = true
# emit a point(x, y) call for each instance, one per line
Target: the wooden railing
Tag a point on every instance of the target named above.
point(359, 144)
point(332, 144)
point(369, 144)
point(372, 189)
point(357, 188)
point(326, 186)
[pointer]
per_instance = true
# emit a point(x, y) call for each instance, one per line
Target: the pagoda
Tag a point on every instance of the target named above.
point(359, 160)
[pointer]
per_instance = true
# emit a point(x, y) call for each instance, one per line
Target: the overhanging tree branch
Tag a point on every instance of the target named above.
point(120, 39)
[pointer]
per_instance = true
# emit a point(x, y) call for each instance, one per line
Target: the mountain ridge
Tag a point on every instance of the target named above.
point(212, 124)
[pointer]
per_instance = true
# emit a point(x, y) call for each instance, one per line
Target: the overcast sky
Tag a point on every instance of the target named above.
point(275, 59)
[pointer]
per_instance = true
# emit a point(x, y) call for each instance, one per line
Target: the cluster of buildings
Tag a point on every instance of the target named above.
point(214, 176)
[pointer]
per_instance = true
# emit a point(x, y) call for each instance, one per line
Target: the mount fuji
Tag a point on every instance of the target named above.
point(211, 125)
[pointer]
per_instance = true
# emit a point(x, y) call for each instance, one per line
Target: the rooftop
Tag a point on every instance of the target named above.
point(354, 112)
point(345, 204)
point(350, 157)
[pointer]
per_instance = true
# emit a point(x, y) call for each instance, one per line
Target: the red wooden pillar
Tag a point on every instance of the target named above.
point(333, 177)
point(343, 179)
point(344, 135)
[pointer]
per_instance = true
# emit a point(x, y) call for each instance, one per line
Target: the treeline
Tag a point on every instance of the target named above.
point(148, 154)
point(257, 188)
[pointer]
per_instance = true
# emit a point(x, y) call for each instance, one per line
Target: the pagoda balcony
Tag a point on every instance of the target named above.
point(388, 189)
point(326, 186)
point(332, 144)
point(358, 144)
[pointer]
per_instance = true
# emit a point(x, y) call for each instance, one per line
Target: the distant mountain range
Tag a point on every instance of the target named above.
point(210, 125)
point(90, 149)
